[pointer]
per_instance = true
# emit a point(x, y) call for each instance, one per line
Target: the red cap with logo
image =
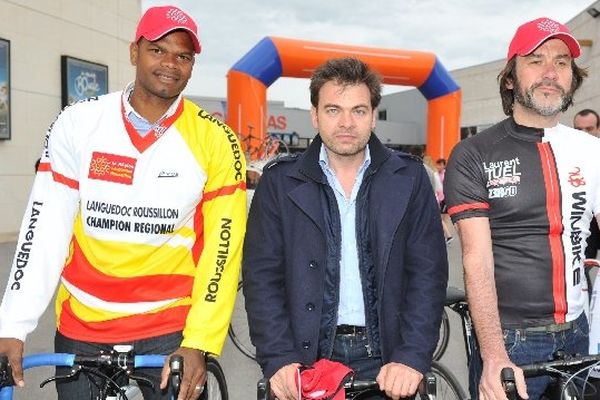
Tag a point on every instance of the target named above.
point(532, 34)
point(158, 21)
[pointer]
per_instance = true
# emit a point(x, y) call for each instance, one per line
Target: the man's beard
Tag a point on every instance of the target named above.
point(527, 100)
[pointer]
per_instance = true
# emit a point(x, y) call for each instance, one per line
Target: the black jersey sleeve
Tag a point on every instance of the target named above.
point(464, 183)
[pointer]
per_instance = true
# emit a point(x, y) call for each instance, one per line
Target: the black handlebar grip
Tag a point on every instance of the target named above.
point(176, 366)
point(508, 382)
point(428, 386)
point(6, 378)
point(263, 389)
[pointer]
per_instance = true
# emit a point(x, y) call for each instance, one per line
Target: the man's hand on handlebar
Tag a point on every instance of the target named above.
point(490, 386)
point(398, 380)
point(284, 382)
point(13, 349)
point(194, 373)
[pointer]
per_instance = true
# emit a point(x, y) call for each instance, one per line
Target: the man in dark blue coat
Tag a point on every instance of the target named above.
point(344, 257)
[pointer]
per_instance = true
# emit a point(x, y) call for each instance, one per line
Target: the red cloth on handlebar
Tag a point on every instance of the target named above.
point(324, 381)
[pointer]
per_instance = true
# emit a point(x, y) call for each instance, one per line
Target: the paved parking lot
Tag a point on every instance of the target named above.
point(241, 372)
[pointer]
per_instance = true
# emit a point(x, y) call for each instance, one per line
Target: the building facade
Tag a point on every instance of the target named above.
point(40, 33)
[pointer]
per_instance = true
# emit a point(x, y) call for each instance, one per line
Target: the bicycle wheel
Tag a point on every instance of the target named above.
point(216, 385)
point(447, 386)
point(442, 344)
point(238, 329)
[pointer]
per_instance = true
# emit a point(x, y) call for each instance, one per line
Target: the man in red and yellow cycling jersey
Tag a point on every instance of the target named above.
point(138, 213)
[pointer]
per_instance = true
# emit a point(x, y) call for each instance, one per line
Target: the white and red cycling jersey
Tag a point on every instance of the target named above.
point(539, 188)
point(144, 232)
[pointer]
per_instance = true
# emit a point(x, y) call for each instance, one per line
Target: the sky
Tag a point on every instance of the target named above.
point(461, 33)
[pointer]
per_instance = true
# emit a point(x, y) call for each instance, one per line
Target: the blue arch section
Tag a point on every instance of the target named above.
point(261, 62)
point(439, 82)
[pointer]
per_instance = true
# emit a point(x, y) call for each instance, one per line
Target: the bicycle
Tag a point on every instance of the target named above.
point(448, 387)
point(456, 301)
point(570, 373)
point(355, 389)
point(268, 147)
point(113, 371)
point(442, 344)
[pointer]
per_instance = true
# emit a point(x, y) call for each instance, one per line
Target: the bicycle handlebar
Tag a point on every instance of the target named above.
point(119, 360)
point(354, 385)
point(427, 387)
point(562, 364)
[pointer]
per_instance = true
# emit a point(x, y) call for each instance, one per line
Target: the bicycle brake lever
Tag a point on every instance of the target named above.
point(428, 386)
point(508, 382)
point(176, 366)
point(6, 378)
point(73, 373)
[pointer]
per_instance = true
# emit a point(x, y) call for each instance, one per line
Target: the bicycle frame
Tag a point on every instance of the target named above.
point(456, 301)
point(69, 360)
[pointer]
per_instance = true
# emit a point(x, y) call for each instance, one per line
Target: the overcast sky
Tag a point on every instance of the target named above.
point(461, 33)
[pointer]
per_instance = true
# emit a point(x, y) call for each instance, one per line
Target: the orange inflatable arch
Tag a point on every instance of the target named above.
point(273, 57)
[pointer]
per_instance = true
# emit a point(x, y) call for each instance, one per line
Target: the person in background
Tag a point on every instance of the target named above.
point(588, 121)
point(355, 268)
point(138, 213)
point(522, 195)
point(440, 165)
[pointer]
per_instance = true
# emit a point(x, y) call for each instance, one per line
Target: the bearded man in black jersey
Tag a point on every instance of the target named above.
point(522, 195)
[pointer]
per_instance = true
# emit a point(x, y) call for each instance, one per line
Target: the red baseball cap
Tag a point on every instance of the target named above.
point(158, 21)
point(532, 34)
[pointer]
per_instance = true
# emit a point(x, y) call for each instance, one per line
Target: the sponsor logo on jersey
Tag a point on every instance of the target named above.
point(575, 178)
point(578, 207)
point(112, 168)
point(24, 251)
point(168, 174)
point(503, 178)
point(222, 256)
point(233, 141)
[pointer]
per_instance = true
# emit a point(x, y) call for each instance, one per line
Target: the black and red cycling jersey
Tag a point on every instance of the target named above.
point(539, 188)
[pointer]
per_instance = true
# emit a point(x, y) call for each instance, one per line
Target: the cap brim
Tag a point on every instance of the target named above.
point(153, 36)
point(568, 39)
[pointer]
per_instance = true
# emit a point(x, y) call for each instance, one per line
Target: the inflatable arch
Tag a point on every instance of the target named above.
point(273, 57)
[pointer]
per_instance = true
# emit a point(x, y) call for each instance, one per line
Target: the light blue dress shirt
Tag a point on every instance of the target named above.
point(141, 124)
point(351, 308)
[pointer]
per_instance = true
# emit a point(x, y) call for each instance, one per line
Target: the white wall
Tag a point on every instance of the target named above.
point(40, 32)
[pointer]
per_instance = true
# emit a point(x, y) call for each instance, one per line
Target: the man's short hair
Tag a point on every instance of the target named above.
point(345, 71)
point(587, 111)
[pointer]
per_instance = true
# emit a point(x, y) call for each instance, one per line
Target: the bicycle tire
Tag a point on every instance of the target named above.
point(447, 386)
point(442, 344)
point(216, 384)
point(238, 331)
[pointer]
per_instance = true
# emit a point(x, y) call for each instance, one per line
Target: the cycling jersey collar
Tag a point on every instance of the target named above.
point(526, 133)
